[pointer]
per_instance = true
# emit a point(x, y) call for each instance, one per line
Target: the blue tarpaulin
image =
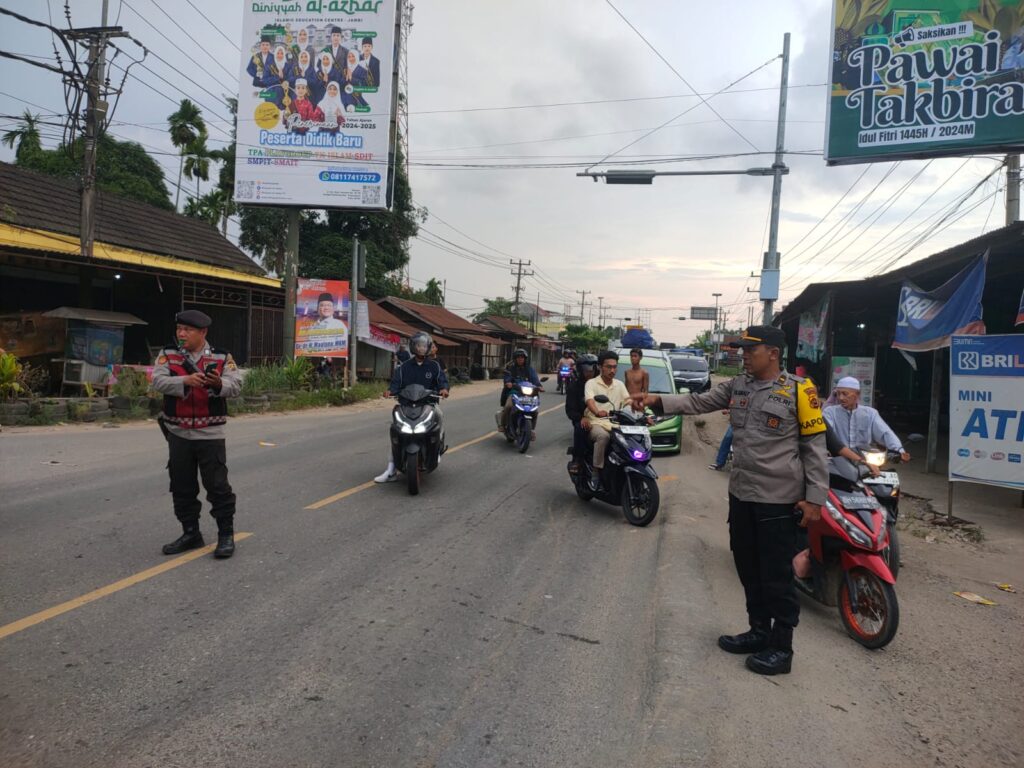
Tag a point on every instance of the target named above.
point(926, 319)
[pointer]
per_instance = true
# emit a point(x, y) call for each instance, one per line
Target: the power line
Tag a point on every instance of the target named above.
point(232, 42)
point(677, 74)
point(187, 34)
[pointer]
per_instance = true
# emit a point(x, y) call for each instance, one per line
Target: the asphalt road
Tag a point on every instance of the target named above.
point(493, 620)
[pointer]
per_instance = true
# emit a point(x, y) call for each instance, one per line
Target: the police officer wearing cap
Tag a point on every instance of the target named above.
point(196, 380)
point(779, 481)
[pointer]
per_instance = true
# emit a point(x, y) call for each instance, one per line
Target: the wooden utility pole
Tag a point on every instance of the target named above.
point(583, 298)
point(520, 274)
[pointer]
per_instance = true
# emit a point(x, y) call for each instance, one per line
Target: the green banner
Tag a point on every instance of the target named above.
point(925, 78)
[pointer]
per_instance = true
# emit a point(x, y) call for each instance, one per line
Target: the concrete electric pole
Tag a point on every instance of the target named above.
point(770, 265)
point(520, 274)
point(583, 298)
point(1012, 189)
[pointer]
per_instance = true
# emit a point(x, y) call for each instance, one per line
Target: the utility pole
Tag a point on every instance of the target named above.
point(95, 38)
point(600, 311)
point(520, 274)
point(353, 313)
point(583, 298)
point(714, 333)
point(444, 292)
point(291, 282)
point(770, 266)
point(1012, 189)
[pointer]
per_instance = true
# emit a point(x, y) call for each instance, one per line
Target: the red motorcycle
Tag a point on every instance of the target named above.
point(847, 566)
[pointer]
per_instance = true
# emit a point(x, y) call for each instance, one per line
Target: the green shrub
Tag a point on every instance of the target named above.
point(265, 378)
point(131, 383)
point(10, 377)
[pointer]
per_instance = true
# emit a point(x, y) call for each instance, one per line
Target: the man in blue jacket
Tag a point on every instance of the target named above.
point(419, 369)
point(520, 370)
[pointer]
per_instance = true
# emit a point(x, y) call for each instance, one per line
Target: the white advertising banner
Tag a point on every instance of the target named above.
point(862, 369)
point(986, 410)
point(314, 103)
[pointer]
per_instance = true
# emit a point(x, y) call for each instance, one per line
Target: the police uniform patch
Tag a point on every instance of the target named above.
point(812, 397)
point(809, 409)
point(230, 363)
point(773, 422)
point(162, 360)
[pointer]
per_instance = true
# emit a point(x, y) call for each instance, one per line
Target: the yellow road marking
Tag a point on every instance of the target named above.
point(364, 486)
point(117, 586)
point(668, 478)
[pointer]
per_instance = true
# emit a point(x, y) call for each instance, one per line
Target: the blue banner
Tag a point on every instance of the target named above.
point(926, 319)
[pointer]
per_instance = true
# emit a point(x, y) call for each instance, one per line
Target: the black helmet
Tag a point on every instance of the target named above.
point(520, 351)
point(585, 361)
point(420, 341)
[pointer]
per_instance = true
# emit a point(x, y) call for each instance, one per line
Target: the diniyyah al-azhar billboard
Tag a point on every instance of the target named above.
point(315, 103)
point(925, 78)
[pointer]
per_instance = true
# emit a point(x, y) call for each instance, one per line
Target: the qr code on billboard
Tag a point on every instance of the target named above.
point(371, 195)
point(244, 190)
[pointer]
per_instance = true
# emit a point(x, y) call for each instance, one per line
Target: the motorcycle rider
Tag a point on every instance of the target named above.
point(419, 369)
point(519, 370)
point(600, 431)
point(576, 407)
point(779, 470)
point(565, 361)
point(858, 426)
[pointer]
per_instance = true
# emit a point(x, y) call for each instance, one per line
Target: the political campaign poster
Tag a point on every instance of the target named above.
point(925, 78)
point(862, 369)
point(986, 410)
point(321, 318)
point(315, 103)
point(927, 319)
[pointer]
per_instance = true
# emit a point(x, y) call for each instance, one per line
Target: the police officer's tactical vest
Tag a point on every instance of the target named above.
point(197, 409)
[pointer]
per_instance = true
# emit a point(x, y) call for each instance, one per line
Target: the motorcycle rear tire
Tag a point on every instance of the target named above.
point(647, 489)
point(412, 473)
point(891, 554)
point(882, 596)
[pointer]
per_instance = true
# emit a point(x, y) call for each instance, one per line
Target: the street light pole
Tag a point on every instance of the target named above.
point(770, 267)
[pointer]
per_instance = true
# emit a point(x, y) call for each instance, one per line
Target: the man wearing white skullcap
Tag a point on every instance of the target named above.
point(859, 426)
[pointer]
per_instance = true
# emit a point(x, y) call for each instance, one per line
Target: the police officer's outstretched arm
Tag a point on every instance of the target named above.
point(690, 405)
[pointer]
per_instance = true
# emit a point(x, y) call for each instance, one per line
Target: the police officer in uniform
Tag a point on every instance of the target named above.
point(195, 380)
point(779, 481)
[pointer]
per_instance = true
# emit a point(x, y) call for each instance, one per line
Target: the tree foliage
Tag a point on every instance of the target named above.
point(585, 338)
point(499, 306)
point(122, 167)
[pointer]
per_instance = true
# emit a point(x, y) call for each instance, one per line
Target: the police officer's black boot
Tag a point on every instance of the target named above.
point(190, 539)
point(225, 539)
point(777, 658)
point(753, 640)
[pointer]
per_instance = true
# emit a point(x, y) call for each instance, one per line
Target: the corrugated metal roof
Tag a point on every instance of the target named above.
point(95, 316)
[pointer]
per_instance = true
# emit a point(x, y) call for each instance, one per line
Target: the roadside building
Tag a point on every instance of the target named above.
point(860, 323)
point(460, 343)
point(148, 263)
point(543, 351)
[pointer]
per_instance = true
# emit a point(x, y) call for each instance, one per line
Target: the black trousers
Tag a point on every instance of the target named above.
point(208, 458)
point(763, 540)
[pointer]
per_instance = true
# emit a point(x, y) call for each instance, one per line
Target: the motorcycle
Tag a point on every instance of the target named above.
point(628, 479)
point(847, 569)
point(417, 433)
point(522, 419)
point(564, 372)
point(886, 488)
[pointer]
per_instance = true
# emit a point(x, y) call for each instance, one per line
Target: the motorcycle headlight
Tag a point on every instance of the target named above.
point(422, 427)
point(526, 390)
point(404, 425)
point(875, 458)
point(852, 530)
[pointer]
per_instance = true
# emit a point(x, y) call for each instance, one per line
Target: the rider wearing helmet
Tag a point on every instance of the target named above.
point(419, 369)
point(519, 370)
point(576, 407)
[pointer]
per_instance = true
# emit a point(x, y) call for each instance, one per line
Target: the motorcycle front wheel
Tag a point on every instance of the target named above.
point(640, 500)
point(524, 435)
point(878, 613)
point(891, 554)
point(412, 473)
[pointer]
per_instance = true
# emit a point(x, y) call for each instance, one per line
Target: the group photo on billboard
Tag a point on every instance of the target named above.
point(925, 79)
point(315, 104)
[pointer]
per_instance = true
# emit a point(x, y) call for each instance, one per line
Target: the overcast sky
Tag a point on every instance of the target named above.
point(668, 246)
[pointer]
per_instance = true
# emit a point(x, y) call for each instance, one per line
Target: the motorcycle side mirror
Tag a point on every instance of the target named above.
point(602, 399)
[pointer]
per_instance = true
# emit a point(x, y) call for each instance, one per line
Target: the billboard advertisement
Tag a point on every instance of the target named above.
point(315, 103)
point(925, 78)
point(321, 318)
point(986, 410)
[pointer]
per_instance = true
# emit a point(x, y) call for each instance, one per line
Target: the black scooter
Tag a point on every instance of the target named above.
point(417, 433)
point(628, 479)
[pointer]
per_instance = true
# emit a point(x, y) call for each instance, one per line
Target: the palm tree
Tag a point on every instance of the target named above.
point(197, 160)
point(26, 136)
point(225, 182)
point(185, 126)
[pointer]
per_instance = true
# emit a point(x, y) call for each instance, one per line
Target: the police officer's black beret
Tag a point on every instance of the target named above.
point(193, 318)
point(761, 334)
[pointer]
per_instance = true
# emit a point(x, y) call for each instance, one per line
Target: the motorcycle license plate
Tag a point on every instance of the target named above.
point(634, 430)
point(884, 478)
